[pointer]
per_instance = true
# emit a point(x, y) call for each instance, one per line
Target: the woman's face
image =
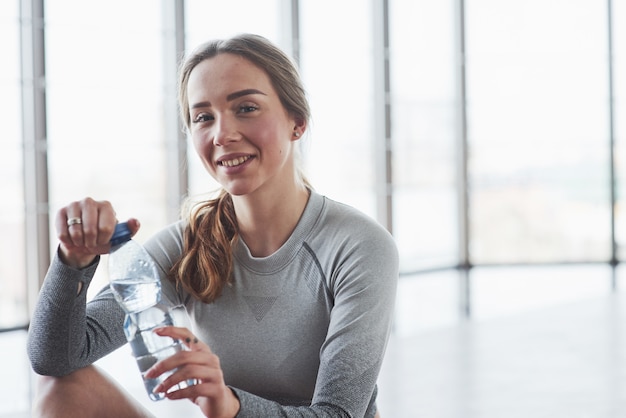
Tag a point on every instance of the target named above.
point(240, 130)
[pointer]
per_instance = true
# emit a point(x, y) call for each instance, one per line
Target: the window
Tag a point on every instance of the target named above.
point(105, 109)
point(536, 103)
point(13, 303)
point(538, 131)
point(619, 118)
point(336, 64)
point(425, 133)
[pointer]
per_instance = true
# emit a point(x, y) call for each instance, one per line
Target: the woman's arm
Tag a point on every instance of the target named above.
point(65, 333)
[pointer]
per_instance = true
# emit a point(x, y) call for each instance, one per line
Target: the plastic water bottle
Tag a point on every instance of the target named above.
point(135, 283)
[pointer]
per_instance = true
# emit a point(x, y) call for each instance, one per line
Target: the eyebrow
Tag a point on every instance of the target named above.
point(245, 92)
point(230, 97)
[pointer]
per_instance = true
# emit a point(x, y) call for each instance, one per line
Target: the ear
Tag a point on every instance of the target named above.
point(299, 128)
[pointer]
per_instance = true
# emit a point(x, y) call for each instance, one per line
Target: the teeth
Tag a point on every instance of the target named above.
point(235, 162)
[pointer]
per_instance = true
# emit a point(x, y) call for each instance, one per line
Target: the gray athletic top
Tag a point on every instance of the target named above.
point(299, 333)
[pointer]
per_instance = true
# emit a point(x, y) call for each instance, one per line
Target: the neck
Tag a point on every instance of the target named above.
point(266, 221)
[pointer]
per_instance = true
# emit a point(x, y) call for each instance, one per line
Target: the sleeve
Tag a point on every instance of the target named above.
point(363, 285)
point(253, 406)
point(66, 333)
point(363, 280)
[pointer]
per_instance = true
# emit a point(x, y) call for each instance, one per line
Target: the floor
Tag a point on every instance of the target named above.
point(565, 360)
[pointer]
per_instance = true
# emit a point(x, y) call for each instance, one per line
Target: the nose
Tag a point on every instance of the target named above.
point(225, 131)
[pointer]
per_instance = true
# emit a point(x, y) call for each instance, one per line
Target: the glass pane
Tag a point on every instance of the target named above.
point(202, 25)
point(427, 301)
point(13, 304)
point(538, 131)
point(424, 132)
point(105, 108)
point(505, 291)
point(15, 396)
point(619, 85)
point(336, 62)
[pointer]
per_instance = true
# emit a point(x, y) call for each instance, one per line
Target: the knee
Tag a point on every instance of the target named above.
point(45, 402)
point(61, 396)
point(87, 392)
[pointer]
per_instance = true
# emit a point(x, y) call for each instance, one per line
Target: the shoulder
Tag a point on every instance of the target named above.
point(346, 221)
point(166, 246)
point(355, 253)
point(343, 229)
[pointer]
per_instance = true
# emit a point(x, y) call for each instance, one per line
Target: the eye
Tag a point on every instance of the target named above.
point(202, 117)
point(247, 108)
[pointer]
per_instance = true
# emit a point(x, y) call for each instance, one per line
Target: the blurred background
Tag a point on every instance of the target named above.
point(487, 135)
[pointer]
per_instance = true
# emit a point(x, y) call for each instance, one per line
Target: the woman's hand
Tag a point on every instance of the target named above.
point(215, 399)
point(84, 229)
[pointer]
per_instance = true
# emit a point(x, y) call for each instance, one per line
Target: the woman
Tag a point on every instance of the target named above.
point(290, 293)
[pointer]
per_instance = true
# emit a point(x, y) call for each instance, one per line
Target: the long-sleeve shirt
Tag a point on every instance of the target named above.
point(301, 332)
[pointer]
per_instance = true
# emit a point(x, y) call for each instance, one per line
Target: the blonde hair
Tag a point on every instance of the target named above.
point(207, 262)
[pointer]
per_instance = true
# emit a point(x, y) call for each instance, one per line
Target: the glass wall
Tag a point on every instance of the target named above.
point(12, 210)
point(105, 109)
point(536, 100)
point(425, 132)
point(619, 120)
point(337, 68)
point(538, 131)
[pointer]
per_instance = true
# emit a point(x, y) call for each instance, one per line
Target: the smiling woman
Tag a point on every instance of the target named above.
point(308, 283)
point(532, 119)
point(243, 135)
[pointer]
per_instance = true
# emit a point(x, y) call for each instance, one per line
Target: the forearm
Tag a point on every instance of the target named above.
point(254, 406)
point(61, 333)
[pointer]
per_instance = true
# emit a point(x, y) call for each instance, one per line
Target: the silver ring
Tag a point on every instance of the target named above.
point(74, 221)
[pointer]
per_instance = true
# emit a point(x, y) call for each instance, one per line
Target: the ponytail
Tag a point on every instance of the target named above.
point(207, 260)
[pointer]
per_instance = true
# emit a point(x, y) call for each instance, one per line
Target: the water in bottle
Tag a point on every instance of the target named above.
point(134, 281)
point(148, 347)
point(133, 275)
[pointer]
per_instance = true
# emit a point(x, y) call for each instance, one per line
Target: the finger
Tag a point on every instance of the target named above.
point(210, 386)
point(106, 223)
point(207, 373)
point(201, 357)
point(181, 358)
point(175, 361)
point(133, 225)
point(89, 209)
point(98, 222)
point(74, 230)
point(185, 335)
point(60, 223)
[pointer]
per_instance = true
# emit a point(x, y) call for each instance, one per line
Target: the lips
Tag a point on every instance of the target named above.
point(234, 162)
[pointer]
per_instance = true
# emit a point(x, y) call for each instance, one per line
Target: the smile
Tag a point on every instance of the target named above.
point(234, 162)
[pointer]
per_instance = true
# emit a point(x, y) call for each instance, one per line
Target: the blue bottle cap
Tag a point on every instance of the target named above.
point(121, 234)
